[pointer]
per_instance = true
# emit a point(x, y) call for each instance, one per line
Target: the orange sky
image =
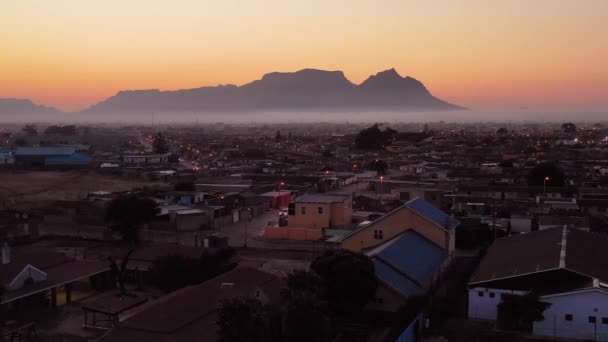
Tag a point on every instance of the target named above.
point(484, 54)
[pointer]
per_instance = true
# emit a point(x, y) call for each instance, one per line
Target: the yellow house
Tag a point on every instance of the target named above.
point(418, 215)
point(310, 214)
point(317, 211)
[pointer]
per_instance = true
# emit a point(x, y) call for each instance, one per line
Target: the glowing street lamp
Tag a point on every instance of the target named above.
point(545, 185)
point(281, 185)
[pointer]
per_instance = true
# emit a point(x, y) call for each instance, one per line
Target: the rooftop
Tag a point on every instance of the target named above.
point(44, 151)
point(559, 248)
point(321, 198)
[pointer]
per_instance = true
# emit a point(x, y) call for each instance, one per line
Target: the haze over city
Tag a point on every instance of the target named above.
point(492, 56)
point(303, 171)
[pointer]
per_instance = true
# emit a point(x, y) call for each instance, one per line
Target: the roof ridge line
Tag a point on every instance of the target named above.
point(562, 252)
point(387, 263)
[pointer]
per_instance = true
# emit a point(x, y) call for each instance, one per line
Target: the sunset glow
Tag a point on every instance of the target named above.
point(481, 54)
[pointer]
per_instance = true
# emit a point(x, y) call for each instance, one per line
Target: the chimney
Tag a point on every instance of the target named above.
point(6, 254)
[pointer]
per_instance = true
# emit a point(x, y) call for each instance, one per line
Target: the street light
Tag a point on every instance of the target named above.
point(545, 185)
point(281, 184)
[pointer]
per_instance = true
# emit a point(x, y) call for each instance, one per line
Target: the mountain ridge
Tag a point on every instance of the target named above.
point(312, 89)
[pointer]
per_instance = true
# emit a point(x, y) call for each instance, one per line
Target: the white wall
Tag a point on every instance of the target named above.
point(27, 272)
point(580, 305)
point(485, 306)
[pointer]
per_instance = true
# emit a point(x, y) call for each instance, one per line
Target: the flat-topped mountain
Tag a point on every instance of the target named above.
point(308, 89)
point(23, 106)
point(305, 89)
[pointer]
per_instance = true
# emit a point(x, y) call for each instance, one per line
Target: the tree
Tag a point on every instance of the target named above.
point(127, 213)
point(184, 186)
point(374, 138)
point(277, 137)
point(245, 319)
point(30, 130)
point(378, 165)
point(174, 272)
point(173, 158)
point(160, 144)
point(516, 312)
point(306, 319)
point(347, 280)
point(119, 273)
point(538, 175)
point(568, 128)
point(502, 131)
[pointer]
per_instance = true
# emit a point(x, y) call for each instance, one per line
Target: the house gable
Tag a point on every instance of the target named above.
point(29, 272)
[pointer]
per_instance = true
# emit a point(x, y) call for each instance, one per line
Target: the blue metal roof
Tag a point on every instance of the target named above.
point(412, 255)
point(44, 151)
point(432, 214)
point(73, 159)
point(396, 280)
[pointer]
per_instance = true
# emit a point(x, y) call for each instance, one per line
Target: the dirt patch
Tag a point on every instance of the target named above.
point(62, 185)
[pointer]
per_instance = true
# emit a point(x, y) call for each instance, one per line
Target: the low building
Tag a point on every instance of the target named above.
point(191, 313)
point(50, 157)
point(7, 157)
point(418, 215)
point(311, 214)
point(567, 266)
point(407, 265)
point(146, 159)
point(36, 278)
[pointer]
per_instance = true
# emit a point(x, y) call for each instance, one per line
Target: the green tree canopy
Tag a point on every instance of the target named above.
point(569, 128)
point(127, 213)
point(245, 319)
point(348, 281)
point(160, 144)
point(538, 175)
point(173, 272)
point(374, 138)
point(516, 312)
point(378, 165)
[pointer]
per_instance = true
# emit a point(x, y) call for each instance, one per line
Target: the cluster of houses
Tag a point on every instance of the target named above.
point(443, 194)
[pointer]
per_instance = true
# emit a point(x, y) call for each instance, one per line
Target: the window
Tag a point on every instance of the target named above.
point(568, 317)
point(492, 294)
point(378, 234)
point(591, 319)
point(604, 320)
point(320, 210)
point(480, 293)
point(303, 210)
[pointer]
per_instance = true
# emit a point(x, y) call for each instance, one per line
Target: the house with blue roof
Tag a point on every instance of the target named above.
point(406, 265)
point(7, 157)
point(418, 215)
point(50, 156)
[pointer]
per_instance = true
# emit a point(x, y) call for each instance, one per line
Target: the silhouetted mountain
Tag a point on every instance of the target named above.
point(304, 89)
point(23, 106)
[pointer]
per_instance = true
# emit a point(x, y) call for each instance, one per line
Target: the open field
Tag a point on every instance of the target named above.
point(61, 185)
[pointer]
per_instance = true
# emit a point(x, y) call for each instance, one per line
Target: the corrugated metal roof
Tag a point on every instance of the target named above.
point(73, 159)
point(432, 214)
point(413, 255)
point(320, 198)
point(44, 151)
point(396, 280)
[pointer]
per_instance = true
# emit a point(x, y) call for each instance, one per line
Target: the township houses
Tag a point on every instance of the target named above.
point(418, 215)
point(311, 214)
point(37, 278)
point(191, 313)
point(567, 267)
point(146, 159)
point(407, 265)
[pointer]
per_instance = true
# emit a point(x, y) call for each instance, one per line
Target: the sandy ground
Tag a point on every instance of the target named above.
point(61, 185)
